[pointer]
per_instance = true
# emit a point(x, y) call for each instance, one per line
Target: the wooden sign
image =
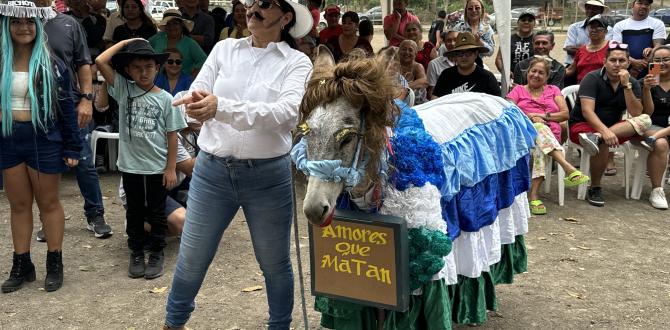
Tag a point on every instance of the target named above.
point(361, 258)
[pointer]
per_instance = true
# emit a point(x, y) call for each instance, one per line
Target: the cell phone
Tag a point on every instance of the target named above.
point(655, 68)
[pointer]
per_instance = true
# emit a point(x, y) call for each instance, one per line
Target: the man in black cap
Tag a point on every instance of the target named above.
point(522, 42)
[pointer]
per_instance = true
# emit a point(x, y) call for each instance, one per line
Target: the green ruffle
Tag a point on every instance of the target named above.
point(471, 298)
point(513, 260)
point(431, 310)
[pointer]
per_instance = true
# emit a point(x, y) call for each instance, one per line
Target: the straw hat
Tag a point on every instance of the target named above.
point(174, 13)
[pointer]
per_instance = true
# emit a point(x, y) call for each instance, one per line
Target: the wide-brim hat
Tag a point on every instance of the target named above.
point(303, 20)
point(174, 13)
point(135, 49)
point(25, 9)
point(466, 41)
point(599, 3)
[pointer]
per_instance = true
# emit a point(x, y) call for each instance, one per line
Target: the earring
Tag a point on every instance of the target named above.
point(282, 27)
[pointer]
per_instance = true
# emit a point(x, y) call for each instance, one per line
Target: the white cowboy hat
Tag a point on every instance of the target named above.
point(174, 13)
point(303, 20)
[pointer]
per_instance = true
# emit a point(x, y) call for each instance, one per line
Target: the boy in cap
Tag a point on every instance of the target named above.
point(148, 146)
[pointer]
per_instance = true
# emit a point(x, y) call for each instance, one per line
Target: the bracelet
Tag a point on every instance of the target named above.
point(547, 115)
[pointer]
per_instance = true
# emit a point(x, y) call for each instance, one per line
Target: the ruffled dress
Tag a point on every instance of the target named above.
point(460, 178)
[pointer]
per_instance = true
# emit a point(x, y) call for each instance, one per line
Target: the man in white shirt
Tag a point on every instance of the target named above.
point(578, 34)
point(442, 62)
point(641, 33)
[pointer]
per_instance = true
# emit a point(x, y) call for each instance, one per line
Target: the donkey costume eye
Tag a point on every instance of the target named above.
point(345, 135)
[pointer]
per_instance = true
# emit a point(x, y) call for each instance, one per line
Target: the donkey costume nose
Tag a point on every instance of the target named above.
point(317, 212)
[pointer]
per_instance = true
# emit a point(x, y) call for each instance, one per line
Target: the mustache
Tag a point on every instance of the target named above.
point(257, 15)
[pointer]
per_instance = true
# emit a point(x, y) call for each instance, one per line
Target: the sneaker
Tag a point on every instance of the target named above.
point(657, 199)
point(595, 196)
point(648, 143)
point(589, 142)
point(40, 237)
point(155, 265)
point(136, 266)
point(99, 227)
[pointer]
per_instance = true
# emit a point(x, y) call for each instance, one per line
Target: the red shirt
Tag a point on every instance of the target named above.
point(390, 19)
point(587, 61)
point(315, 18)
point(329, 32)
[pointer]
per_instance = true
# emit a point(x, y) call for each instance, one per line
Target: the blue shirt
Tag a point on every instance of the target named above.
point(183, 83)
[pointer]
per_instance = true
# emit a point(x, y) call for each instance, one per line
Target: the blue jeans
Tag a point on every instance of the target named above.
point(219, 187)
point(87, 177)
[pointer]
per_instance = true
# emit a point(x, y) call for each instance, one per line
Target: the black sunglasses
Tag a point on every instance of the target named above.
point(262, 4)
point(171, 61)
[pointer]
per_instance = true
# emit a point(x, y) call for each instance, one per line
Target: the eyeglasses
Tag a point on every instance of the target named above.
point(597, 29)
point(616, 45)
point(661, 59)
point(171, 62)
point(464, 53)
point(262, 4)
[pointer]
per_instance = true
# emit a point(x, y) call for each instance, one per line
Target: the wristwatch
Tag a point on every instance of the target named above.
point(628, 85)
point(88, 96)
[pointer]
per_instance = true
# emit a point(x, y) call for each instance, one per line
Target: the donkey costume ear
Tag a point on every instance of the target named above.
point(324, 58)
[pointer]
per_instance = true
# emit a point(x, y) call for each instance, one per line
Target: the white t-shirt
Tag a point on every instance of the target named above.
point(638, 34)
point(435, 67)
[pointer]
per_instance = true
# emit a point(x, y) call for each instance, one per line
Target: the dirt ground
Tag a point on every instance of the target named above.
point(607, 268)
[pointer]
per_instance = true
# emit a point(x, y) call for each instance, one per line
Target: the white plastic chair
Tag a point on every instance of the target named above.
point(640, 170)
point(570, 94)
point(549, 161)
point(112, 146)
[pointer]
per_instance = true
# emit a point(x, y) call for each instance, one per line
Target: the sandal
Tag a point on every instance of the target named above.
point(537, 207)
point(610, 171)
point(575, 179)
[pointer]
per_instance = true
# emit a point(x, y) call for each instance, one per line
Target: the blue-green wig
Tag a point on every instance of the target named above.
point(41, 84)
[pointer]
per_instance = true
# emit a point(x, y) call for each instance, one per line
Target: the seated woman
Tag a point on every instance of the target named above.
point(656, 103)
point(426, 50)
point(389, 57)
point(591, 56)
point(171, 78)
point(348, 40)
point(545, 107)
point(238, 29)
point(174, 30)
point(413, 71)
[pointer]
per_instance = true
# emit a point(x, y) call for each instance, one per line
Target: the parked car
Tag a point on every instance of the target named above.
point(614, 18)
point(157, 12)
point(621, 12)
point(111, 6)
point(663, 14)
point(373, 14)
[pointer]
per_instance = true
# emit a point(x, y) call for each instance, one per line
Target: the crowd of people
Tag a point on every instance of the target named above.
point(203, 75)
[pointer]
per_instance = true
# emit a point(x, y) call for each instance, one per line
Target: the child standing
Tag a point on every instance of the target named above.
point(148, 128)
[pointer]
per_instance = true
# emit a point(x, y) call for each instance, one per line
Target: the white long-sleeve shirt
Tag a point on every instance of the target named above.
point(259, 91)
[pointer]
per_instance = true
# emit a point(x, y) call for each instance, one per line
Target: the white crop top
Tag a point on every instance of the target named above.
point(20, 97)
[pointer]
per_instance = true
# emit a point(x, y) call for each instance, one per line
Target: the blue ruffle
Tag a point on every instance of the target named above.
point(478, 206)
point(486, 149)
point(417, 157)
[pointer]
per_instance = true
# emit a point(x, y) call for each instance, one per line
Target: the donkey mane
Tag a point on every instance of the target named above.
point(365, 84)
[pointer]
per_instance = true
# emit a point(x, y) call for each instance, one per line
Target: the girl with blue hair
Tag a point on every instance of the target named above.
point(39, 138)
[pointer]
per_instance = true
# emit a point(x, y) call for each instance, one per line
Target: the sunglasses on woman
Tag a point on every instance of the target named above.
point(171, 62)
point(262, 4)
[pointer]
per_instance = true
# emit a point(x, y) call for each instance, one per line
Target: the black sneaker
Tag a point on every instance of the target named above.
point(155, 265)
point(136, 267)
point(99, 227)
point(595, 196)
point(589, 142)
point(40, 237)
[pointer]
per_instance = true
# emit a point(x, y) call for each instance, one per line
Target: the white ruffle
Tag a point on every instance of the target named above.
point(474, 252)
point(419, 206)
point(447, 117)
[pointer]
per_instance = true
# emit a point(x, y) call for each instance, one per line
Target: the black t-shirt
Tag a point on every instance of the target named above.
point(610, 104)
point(123, 32)
point(437, 25)
point(480, 80)
point(661, 98)
point(522, 48)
